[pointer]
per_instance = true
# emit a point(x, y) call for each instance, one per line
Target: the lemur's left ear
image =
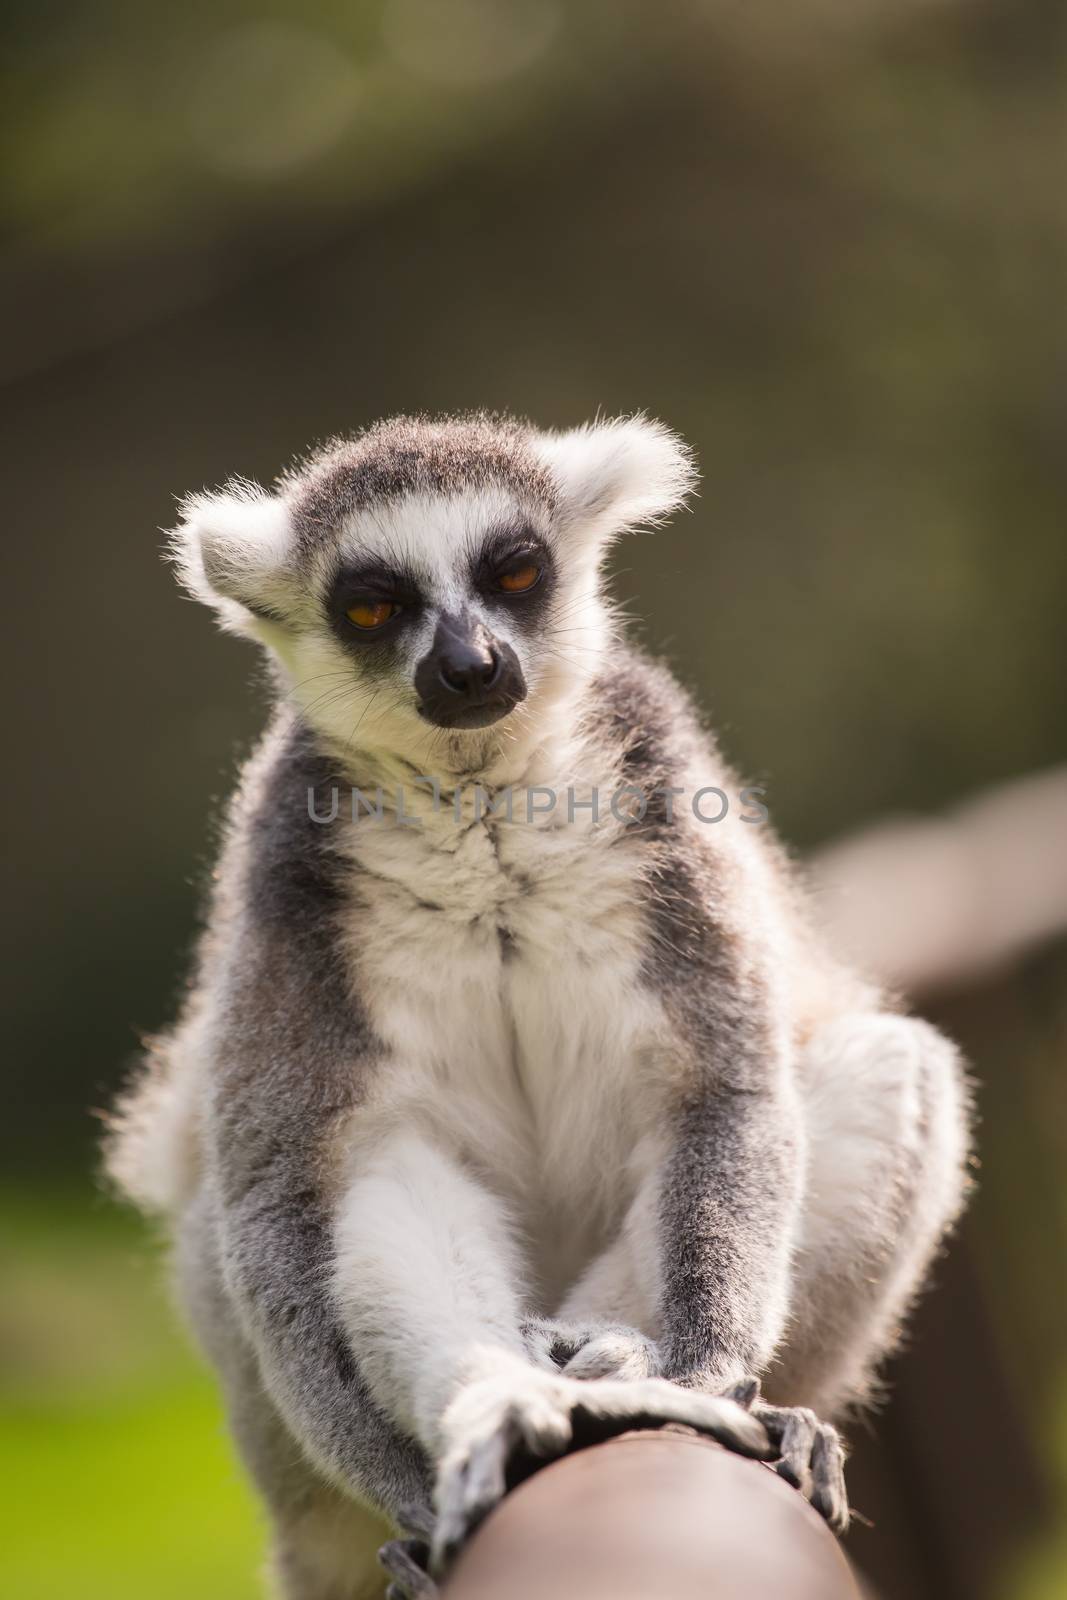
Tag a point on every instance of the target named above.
point(621, 474)
point(232, 550)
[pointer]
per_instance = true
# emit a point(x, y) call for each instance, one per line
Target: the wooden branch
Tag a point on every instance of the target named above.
point(653, 1516)
point(929, 905)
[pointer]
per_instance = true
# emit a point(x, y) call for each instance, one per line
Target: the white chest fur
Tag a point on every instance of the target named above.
point(500, 962)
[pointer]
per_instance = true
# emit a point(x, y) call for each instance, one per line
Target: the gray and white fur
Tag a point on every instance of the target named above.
point(487, 1134)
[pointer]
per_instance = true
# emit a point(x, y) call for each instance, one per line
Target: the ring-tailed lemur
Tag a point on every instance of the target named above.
point(489, 1125)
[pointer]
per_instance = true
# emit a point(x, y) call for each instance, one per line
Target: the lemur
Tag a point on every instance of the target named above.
point(488, 1127)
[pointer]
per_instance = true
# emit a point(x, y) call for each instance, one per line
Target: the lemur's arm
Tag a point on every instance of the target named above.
point(292, 1055)
point(429, 1280)
point(283, 1083)
point(730, 1188)
point(715, 1222)
point(728, 1208)
point(277, 1254)
point(713, 1225)
point(730, 1198)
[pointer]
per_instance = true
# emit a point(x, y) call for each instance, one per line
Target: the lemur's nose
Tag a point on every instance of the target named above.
point(468, 667)
point(467, 678)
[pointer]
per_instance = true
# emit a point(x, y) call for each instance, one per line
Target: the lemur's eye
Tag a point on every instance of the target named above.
point(371, 613)
point(519, 579)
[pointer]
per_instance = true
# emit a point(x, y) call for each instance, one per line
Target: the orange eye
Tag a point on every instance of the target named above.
point(370, 613)
point(519, 579)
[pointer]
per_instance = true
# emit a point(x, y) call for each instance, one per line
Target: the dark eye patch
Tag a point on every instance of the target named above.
point(510, 550)
point(373, 582)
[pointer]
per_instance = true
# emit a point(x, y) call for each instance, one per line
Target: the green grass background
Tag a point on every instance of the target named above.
point(117, 1479)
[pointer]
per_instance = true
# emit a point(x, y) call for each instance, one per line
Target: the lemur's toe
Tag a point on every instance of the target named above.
point(552, 1343)
point(615, 1353)
point(406, 1563)
point(590, 1350)
point(745, 1393)
point(809, 1455)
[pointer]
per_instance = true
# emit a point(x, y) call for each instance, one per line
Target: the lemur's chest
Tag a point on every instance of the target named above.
point(502, 964)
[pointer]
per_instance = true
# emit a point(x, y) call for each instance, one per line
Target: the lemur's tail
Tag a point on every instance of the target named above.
point(151, 1147)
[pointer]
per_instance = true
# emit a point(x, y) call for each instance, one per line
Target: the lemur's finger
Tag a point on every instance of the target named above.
point(810, 1457)
point(728, 1422)
point(469, 1489)
point(795, 1444)
point(450, 1534)
point(650, 1402)
point(829, 1495)
point(486, 1480)
point(457, 1517)
point(451, 1521)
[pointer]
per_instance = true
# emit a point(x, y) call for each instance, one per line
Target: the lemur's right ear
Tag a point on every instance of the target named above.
point(232, 550)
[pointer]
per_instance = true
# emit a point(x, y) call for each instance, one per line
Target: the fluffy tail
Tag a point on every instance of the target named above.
point(151, 1147)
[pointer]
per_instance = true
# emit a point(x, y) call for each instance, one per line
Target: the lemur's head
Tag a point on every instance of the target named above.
point(431, 587)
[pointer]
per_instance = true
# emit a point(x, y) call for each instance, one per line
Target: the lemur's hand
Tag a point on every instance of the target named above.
point(806, 1452)
point(497, 1430)
point(590, 1349)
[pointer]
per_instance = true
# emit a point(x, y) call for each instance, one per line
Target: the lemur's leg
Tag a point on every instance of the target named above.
point(609, 1322)
point(887, 1115)
point(324, 1544)
point(429, 1286)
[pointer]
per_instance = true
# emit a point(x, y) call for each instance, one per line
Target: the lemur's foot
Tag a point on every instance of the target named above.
point(406, 1563)
point(499, 1429)
point(590, 1349)
point(808, 1453)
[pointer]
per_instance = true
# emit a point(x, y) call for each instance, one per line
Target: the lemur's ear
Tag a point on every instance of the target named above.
point(231, 549)
point(621, 474)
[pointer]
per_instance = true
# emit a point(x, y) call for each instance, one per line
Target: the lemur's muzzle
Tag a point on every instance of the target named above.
point(467, 678)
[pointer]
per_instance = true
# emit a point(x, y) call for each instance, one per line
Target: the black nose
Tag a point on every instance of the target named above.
point(468, 667)
point(467, 678)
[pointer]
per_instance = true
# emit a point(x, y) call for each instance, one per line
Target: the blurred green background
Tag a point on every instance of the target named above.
point(825, 241)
